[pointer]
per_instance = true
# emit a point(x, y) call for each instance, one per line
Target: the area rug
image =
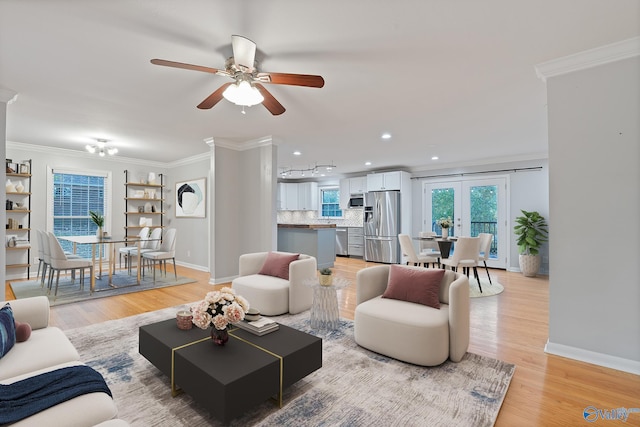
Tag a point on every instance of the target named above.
point(69, 291)
point(488, 289)
point(354, 387)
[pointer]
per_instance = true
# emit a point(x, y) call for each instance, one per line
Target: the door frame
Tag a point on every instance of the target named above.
point(461, 184)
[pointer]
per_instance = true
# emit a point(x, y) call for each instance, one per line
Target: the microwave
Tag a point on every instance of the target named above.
point(356, 201)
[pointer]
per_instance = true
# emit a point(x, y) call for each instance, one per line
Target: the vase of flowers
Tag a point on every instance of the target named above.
point(218, 310)
point(445, 224)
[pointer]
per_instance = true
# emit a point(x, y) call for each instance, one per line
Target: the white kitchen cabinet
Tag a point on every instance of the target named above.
point(298, 196)
point(345, 193)
point(308, 196)
point(358, 185)
point(386, 181)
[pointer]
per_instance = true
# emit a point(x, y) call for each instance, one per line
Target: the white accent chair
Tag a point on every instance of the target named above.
point(485, 251)
point(465, 254)
point(406, 246)
point(60, 262)
point(408, 331)
point(166, 251)
point(272, 295)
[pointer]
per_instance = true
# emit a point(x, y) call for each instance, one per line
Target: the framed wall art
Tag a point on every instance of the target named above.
point(191, 198)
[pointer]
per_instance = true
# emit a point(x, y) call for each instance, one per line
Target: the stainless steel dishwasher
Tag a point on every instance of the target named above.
point(342, 243)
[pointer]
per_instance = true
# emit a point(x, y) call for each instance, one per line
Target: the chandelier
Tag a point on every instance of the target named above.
point(101, 148)
point(317, 170)
point(243, 93)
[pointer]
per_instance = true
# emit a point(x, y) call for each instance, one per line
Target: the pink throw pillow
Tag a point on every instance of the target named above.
point(277, 264)
point(421, 286)
point(23, 331)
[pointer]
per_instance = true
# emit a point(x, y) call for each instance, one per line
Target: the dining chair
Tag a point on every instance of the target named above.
point(406, 246)
point(143, 235)
point(465, 255)
point(41, 256)
point(485, 251)
point(151, 244)
point(167, 250)
point(429, 247)
point(60, 262)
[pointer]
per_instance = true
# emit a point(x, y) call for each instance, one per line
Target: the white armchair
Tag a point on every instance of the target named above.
point(408, 331)
point(274, 295)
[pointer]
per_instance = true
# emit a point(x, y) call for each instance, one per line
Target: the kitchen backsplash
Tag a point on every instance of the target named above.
point(352, 218)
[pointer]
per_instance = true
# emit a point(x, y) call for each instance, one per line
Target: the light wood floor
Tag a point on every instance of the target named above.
point(546, 390)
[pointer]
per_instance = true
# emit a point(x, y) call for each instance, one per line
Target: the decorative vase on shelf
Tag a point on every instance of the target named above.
point(99, 233)
point(219, 336)
point(445, 233)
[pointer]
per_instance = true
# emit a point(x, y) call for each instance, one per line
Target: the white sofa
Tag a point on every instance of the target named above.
point(272, 295)
point(408, 331)
point(47, 349)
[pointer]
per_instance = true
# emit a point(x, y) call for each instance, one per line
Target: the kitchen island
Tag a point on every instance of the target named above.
point(317, 240)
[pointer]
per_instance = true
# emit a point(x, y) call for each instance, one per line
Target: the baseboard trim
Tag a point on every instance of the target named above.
point(600, 359)
point(220, 280)
point(192, 266)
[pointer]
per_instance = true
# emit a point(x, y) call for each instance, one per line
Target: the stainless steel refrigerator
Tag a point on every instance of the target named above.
point(382, 226)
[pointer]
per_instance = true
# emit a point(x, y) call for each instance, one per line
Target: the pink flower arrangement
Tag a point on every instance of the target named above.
point(219, 308)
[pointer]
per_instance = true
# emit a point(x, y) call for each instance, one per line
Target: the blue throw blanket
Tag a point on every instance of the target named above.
point(32, 395)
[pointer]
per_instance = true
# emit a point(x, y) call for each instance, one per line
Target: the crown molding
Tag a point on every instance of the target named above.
point(242, 146)
point(188, 160)
point(81, 154)
point(481, 162)
point(7, 95)
point(589, 58)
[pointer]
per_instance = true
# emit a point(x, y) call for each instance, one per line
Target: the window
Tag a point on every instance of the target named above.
point(71, 195)
point(330, 202)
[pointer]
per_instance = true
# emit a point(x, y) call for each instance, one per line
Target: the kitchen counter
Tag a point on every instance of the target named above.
point(317, 240)
point(309, 226)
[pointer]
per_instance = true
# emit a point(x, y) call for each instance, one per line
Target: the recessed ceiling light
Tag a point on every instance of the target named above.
point(434, 158)
point(296, 153)
point(367, 163)
point(386, 135)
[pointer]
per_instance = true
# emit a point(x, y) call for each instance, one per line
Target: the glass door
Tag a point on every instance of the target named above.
point(475, 206)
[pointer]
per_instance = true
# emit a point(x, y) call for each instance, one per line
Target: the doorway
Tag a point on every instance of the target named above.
point(475, 206)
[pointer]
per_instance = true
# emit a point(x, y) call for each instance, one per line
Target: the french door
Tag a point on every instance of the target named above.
point(475, 206)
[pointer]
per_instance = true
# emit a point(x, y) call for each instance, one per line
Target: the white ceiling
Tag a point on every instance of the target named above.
point(453, 78)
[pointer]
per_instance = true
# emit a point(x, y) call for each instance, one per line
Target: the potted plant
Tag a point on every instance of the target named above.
point(531, 232)
point(325, 277)
point(445, 224)
point(98, 219)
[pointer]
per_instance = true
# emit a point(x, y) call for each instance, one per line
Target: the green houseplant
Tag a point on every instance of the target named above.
point(531, 232)
point(325, 277)
point(98, 219)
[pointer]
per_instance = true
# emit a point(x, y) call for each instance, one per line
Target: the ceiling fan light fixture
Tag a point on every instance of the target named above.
point(101, 148)
point(243, 94)
point(90, 148)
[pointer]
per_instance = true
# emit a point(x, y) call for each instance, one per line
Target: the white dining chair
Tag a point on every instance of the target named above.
point(465, 255)
point(429, 247)
point(151, 244)
point(166, 251)
point(406, 246)
point(143, 235)
point(43, 247)
point(60, 262)
point(485, 251)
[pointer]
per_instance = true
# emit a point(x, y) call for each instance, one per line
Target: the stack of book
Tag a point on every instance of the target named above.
point(258, 327)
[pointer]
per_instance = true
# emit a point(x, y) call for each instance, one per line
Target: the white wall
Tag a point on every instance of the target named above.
point(528, 190)
point(594, 152)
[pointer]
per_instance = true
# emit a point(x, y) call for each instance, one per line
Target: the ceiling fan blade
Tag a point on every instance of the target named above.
point(270, 103)
point(214, 98)
point(187, 66)
point(244, 53)
point(307, 80)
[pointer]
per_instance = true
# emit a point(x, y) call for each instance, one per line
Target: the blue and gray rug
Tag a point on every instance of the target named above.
point(354, 387)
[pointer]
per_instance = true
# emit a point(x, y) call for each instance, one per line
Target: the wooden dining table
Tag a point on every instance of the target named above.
point(97, 247)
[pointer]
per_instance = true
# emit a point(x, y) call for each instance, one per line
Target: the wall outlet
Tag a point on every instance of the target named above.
point(188, 254)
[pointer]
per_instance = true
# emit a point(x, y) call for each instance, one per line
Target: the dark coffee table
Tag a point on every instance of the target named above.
point(234, 378)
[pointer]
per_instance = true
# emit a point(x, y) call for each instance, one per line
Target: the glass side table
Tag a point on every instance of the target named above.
point(325, 313)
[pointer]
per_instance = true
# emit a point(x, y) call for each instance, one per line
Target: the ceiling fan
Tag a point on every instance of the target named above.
point(247, 88)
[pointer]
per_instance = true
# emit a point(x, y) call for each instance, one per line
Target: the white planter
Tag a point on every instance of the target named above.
point(529, 265)
point(445, 233)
